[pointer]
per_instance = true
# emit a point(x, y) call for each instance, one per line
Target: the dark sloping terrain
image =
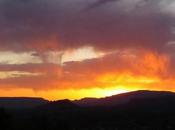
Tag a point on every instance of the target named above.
point(21, 102)
point(139, 110)
point(126, 98)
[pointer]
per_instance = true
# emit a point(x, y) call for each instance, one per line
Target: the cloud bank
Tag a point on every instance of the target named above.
point(135, 37)
point(45, 25)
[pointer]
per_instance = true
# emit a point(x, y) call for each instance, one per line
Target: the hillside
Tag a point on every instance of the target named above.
point(138, 110)
point(21, 102)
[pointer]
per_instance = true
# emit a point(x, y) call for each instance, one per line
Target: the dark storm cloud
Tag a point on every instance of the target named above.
point(100, 3)
point(61, 24)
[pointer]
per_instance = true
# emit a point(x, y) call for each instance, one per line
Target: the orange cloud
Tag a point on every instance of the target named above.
point(128, 69)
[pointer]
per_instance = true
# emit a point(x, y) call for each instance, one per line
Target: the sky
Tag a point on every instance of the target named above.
point(59, 49)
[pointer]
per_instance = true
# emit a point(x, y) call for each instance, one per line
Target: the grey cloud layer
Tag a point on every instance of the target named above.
point(61, 24)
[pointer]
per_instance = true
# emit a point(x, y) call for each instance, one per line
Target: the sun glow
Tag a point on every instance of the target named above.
point(81, 93)
point(96, 78)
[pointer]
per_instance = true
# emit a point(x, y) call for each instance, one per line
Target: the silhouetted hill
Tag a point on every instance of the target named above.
point(120, 99)
point(138, 110)
point(58, 105)
point(125, 98)
point(21, 102)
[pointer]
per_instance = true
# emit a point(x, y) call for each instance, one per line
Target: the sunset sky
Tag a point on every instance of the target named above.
point(59, 49)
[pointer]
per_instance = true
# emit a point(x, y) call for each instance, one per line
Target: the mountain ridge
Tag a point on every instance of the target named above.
point(121, 98)
point(138, 110)
point(21, 102)
point(27, 102)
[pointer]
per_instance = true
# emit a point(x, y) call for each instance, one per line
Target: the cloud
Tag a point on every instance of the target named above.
point(99, 3)
point(125, 68)
point(59, 25)
point(133, 37)
point(33, 76)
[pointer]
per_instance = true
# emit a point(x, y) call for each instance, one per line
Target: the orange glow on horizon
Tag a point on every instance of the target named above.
point(146, 72)
point(63, 94)
point(72, 94)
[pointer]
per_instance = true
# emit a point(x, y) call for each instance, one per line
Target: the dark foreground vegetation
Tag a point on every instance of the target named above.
point(141, 110)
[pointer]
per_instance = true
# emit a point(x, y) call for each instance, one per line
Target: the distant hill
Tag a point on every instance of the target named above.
point(125, 98)
point(21, 102)
point(120, 99)
point(58, 105)
point(138, 110)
